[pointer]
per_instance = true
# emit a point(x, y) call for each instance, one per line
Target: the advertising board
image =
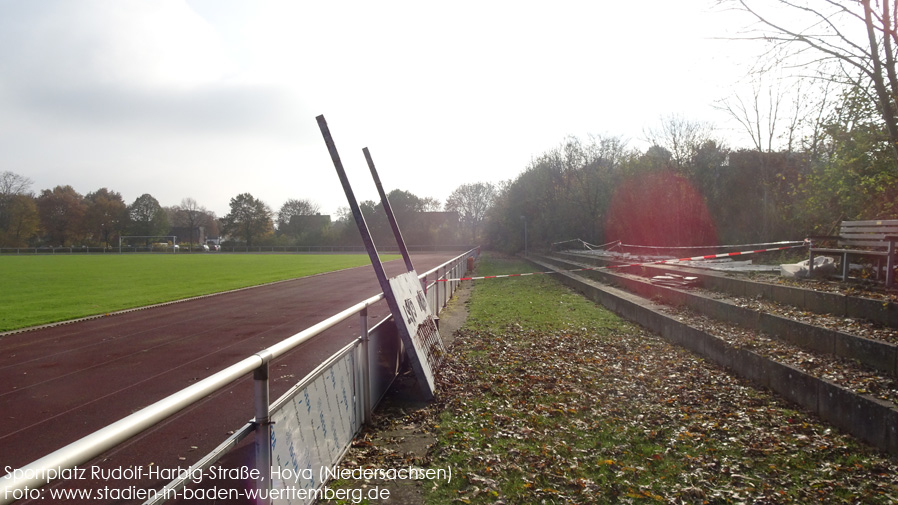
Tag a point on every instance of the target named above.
point(417, 325)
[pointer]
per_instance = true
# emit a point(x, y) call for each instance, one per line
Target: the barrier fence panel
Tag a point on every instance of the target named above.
point(308, 428)
point(312, 426)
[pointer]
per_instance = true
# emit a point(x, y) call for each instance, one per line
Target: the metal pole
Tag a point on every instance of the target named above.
point(356, 211)
point(436, 292)
point(389, 211)
point(457, 272)
point(445, 288)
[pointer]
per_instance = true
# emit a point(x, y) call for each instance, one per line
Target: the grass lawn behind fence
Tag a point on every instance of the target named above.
point(43, 289)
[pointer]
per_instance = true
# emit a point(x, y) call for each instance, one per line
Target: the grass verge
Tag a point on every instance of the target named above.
point(45, 289)
point(547, 398)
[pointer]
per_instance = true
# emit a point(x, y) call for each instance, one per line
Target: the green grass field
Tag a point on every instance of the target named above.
point(44, 289)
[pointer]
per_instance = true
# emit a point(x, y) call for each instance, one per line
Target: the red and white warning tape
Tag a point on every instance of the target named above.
point(694, 258)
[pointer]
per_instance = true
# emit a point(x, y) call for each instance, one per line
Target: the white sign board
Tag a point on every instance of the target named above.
point(417, 325)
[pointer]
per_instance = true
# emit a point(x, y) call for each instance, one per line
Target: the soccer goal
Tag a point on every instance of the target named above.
point(173, 244)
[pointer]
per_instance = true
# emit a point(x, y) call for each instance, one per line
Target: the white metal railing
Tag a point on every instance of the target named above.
point(366, 393)
point(187, 248)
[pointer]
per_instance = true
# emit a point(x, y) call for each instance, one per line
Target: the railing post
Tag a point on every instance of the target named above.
point(263, 425)
point(455, 275)
point(366, 371)
point(436, 292)
point(451, 273)
point(445, 284)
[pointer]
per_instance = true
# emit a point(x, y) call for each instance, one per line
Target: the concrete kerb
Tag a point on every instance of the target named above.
point(867, 418)
point(879, 355)
point(765, 291)
point(752, 366)
point(792, 383)
point(788, 330)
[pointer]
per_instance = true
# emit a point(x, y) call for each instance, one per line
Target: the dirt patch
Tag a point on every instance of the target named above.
point(455, 314)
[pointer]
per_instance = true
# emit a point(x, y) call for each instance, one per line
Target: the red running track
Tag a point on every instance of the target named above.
point(61, 383)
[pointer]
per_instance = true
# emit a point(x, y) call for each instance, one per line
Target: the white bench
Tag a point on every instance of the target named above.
point(872, 239)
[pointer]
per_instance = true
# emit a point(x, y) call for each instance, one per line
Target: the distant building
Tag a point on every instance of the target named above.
point(195, 235)
point(314, 223)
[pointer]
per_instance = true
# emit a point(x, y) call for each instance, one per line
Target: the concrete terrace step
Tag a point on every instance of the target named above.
point(868, 418)
point(882, 356)
point(885, 313)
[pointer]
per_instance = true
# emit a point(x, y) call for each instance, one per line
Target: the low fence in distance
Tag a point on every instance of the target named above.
point(344, 390)
point(224, 249)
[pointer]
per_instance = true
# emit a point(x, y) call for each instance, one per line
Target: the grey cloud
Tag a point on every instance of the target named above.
point(212, 110)
point(66, 64)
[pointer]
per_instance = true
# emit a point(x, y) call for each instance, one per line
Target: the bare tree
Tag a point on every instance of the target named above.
point(754, 112)
point(472, 201)
point(681, 137)
point(191, 215)
point(781, 114)
point(18, 211)
point(13, 184)
point(856, 38)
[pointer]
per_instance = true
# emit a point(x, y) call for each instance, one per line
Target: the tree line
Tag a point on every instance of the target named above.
point(63, 217)
point(689, 189)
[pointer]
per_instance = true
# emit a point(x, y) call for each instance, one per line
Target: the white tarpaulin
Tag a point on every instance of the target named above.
point(823, 265)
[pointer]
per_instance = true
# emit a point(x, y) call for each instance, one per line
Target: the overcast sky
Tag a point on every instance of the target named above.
point(212, 98)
